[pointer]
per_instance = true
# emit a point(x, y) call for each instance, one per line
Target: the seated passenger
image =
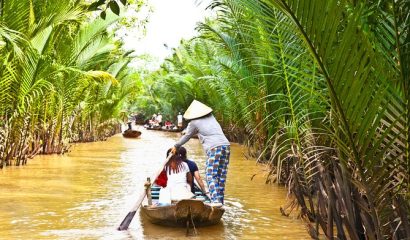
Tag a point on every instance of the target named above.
point(179, 179)
point(168, 124)
point(193, 168)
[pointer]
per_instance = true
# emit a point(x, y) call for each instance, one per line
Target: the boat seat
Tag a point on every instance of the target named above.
point(198, 194)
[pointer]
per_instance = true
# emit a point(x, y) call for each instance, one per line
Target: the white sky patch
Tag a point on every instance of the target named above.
point(170, 21)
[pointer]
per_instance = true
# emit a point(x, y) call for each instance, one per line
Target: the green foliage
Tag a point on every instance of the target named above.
point(111, 4)
point(321, 89)
point(71, 83)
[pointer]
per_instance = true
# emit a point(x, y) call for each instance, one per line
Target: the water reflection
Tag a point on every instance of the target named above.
point(86, 193)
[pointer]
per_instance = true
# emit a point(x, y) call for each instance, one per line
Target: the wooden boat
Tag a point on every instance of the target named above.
point(131, 133)
point(148, 127)
point(196, 211)
point(172, 130)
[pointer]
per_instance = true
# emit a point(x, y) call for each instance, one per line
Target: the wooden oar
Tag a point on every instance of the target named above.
point(127, 220)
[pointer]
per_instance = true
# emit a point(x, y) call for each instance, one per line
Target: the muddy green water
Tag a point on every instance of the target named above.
point(86, 193)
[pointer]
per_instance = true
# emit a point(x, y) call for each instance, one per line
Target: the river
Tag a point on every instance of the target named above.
point(86, 193)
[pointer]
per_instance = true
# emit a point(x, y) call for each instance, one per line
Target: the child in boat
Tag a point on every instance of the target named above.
point(179, 179)
point(193, 168)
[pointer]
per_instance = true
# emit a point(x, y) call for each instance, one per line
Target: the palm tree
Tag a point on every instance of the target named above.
point(322, 89)
point(369, 124)
point(64, 87)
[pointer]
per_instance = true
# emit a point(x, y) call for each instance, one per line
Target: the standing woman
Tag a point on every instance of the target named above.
point(214, 143)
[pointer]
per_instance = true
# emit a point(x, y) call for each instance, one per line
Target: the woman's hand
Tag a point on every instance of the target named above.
point(174, 150)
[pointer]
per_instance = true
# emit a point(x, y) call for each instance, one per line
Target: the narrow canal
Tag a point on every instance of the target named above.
point(85, 194)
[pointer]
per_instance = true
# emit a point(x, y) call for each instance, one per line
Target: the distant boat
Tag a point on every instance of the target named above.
point(159, 128)
point(179, 213)
point(171, 130)
point(131, 133)
point(149, 127)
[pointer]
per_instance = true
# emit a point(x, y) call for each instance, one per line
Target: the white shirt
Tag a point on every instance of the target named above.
point(179, 117)
point(159, 118)
point(175, 179)
point(177, 186)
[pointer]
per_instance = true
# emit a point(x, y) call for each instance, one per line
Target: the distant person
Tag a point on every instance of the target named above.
point(179, 120)
point(193, 168)
point(215, 144)
point(159, 119)
point(168, 125)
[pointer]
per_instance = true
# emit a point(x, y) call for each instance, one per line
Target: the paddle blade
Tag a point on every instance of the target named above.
point(126, 222)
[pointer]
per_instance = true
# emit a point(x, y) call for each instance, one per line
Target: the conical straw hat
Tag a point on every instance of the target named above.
point(196, 110)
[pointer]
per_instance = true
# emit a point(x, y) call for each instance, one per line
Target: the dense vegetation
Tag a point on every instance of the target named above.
point(320, 91)
point(63, 77)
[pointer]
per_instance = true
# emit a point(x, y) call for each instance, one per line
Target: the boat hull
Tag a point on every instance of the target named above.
point(131, 134)
point(202, 214)
point(163, 130)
